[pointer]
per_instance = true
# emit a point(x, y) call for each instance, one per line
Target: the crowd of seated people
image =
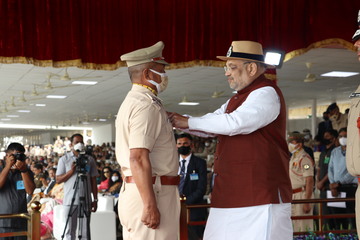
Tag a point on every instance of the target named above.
point(42, 160)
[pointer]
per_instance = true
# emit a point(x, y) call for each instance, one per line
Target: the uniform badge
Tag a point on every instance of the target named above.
point(156, 101)
point(228, 54)
point(355, 94)
point(306, 166)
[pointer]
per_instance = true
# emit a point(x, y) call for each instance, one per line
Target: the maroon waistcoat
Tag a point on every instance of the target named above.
point(252, 169)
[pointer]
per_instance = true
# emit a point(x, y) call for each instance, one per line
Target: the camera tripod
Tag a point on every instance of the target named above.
point(83, 207)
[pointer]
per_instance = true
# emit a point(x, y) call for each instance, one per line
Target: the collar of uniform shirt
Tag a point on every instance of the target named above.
point(186, 163)
point(152, 90)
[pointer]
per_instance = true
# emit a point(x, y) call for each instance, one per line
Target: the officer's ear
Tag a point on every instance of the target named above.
point(145, 73)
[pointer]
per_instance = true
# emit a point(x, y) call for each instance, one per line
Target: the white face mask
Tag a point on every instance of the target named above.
point(114, 178)
point(79, 147)
point(292, 147)
point(343, 141)
point(334, 117)
point(164, 81)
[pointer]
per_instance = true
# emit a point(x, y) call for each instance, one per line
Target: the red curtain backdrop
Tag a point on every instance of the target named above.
point(98, 32)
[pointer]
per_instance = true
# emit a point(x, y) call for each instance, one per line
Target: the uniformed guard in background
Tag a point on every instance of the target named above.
point(149, 203)
point(353, 136)
point(301, 172)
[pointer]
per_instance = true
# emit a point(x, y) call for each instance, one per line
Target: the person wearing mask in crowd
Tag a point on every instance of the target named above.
point(16, 180)
point(323, 126)
point(302, 181)
point(193, 181)
point(106, 181)
point(307, 149)
point(342, 181)
point(353, 142)
point(251, 164)
point(322, 184)
point(308, 140)
point(38, 171)
point(116, 180)
point(338, 119)
point(67, 173)
point(209, 148)
point(51, 181)
point(149, 205)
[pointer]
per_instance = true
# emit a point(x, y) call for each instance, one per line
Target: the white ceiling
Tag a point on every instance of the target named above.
point(89, 103)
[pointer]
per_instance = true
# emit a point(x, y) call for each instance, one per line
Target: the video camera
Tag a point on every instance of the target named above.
point(20, 156)
point(82, 159)
point(81, 162)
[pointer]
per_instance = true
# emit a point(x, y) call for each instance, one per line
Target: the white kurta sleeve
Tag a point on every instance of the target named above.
point(261, 107)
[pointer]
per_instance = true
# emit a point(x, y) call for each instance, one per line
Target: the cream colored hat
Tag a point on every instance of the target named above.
point(245, 50)
point(145, 55)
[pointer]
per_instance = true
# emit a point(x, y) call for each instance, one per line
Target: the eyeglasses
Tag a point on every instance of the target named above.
point(233, 67)
point(106, 171)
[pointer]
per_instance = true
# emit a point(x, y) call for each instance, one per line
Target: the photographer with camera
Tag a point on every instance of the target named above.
point(16, 180)
point(71, 167)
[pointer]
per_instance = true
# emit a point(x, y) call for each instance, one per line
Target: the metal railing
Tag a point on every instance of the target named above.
point(33, 220)
point(185, 216)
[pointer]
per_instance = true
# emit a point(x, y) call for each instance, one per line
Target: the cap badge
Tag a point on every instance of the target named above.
point(157, 59)
point(228, 54)
point(306, 166)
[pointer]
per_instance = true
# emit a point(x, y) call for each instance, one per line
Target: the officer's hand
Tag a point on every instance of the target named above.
point(178, 120)
point(93, 206)
point(306, 207)
point(151, 217)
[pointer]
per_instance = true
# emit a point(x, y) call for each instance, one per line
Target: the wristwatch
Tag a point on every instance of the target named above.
point(96, 200)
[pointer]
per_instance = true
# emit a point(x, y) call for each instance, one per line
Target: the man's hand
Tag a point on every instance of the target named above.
point(320, 185)
point(20, 165)
point(10, 161)
point(93, 206)
point(178, 120)
point(333, 188)
point(306, 207)
point(151, 217)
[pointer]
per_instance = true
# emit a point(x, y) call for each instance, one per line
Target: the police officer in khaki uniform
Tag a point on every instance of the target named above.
point(301, 170)
point(353, 136)
point(149, 204)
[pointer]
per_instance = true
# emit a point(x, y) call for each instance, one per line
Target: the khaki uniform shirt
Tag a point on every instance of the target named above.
point(301, 166)
point(353, 137)
point(142, 122)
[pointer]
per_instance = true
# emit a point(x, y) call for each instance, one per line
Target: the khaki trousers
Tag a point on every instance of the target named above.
point(130, 208)
point(297, 210)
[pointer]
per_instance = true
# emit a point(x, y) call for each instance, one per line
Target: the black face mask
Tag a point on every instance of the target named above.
point(327, 141)
point(183, 150)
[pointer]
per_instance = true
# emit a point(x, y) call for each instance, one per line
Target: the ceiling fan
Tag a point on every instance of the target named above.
point(49, 86)
point(218, 94)
point(67, 77)
point(310, 77)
